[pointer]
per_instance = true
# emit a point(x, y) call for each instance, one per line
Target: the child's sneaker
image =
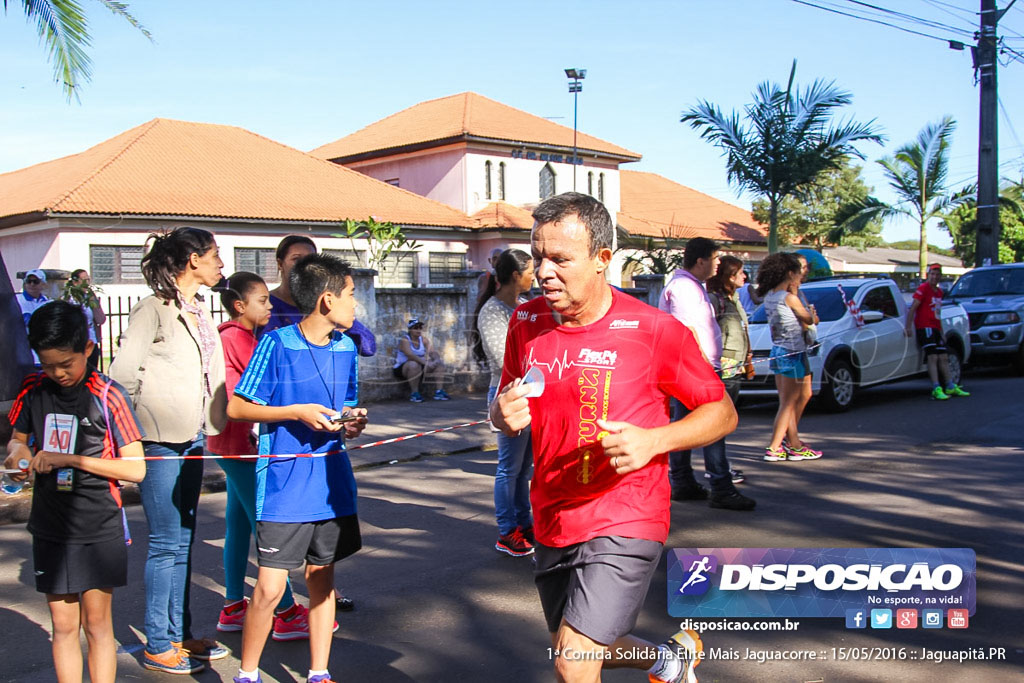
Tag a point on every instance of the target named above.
point(514, 544)
point(246, 679)
point(775, 454)
point(293, 624)
point(939, 395)
point(955, 390)
point(320, 678)
point(174, 661)
point(441, 395)
point(232, 617)
point(677, 658)
point(203, 649)
point(415, 397)
point(804, 452)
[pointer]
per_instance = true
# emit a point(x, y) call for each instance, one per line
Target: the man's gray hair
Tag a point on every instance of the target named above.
point(590, 212)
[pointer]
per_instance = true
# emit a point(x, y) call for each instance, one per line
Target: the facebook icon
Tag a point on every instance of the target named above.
point(856, 618)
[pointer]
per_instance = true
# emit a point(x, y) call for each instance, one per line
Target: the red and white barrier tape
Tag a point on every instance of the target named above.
point(396, 439)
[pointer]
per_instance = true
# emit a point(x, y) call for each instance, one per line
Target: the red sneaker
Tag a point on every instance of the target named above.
point(232, 617)
point(514, 544)
point(293, 624)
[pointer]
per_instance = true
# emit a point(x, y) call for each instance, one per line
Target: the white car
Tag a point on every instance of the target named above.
point(850, 356)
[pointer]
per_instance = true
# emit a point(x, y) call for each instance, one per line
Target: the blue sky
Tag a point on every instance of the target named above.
point(305, 73)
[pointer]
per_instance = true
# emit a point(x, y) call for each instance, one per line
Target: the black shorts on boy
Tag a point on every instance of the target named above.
point(287, 545)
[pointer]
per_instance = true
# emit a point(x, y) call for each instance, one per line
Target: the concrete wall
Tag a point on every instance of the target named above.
point(447, 318)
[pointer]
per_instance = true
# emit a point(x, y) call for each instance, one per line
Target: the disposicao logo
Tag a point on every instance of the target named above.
point(696, 581)
point(817, 582)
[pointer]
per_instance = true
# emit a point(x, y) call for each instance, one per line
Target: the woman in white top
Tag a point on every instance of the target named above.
point(414, 359)
point(777, 279)
point(513, 277)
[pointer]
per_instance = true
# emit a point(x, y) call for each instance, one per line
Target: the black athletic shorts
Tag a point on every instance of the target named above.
point(397, 372)
point(598, 587)
point(284, 545)
point(72, 568)
point(930, 341)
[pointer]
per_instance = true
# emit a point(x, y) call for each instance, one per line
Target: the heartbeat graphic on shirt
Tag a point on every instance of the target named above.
point(588, 358)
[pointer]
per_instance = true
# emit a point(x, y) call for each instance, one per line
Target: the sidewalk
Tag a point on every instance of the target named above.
point(387, 420)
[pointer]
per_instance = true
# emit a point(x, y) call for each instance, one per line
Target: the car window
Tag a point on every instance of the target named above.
point(826, 301)
point(880, 299)
point(990, 282)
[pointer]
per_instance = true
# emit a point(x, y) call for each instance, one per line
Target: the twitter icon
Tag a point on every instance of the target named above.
point(881, 618)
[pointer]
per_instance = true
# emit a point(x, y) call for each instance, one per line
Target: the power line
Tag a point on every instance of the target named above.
point(911, 18)
point(873, 21)
point(970, 21)
point(936, 3)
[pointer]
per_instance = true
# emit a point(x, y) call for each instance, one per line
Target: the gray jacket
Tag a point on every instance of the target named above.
point(160, 365)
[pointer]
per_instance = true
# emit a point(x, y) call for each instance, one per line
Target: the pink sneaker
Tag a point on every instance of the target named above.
point(293, 624)
point(804, 452)
point(232, 617)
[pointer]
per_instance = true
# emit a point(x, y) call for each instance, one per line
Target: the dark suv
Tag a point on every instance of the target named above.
point(994, 299)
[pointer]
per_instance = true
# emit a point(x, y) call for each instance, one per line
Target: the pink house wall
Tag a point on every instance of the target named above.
point(439, 176)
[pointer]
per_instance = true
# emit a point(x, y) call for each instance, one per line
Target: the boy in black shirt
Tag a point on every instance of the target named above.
point(83, 426)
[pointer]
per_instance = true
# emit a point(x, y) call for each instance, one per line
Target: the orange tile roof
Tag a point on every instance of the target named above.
point(654, 206)
point(503, 215)
point(179, 168)
point(457, 116)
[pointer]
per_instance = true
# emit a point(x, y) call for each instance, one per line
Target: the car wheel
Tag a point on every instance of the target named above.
point(839, 388)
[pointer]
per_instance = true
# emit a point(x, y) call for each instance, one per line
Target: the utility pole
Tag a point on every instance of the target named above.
point(575, 87)
point(987, 247)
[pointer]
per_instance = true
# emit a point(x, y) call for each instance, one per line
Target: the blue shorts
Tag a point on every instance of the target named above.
point(789, 363)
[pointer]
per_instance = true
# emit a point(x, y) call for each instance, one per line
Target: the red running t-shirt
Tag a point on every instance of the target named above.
point(927, 314)
point(622, 368)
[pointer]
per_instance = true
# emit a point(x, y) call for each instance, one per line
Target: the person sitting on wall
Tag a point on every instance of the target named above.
point(414, 359)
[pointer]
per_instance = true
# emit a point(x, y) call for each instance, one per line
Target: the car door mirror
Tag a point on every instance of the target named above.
point(872, 316)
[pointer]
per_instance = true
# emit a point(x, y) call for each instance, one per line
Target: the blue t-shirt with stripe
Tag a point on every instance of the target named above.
point(287, 369)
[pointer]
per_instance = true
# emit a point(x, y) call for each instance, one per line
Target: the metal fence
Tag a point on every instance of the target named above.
point(117, 309)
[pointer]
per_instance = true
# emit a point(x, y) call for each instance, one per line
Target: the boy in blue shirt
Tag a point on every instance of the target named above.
point(300, 377)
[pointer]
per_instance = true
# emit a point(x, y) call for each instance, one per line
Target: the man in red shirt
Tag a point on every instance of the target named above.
point(601, 434)
point(925, 316)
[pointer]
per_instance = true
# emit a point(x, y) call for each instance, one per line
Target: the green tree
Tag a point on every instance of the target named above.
point(382, 238)
point(787, 139)
point(64, 29)
point(961, 222)
point(815, 211)
point(658, 256)
point(917, 173)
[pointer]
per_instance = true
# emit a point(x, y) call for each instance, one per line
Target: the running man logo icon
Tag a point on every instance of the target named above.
point(696, 581)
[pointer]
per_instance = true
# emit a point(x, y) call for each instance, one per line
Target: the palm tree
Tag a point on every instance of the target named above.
point(65, 31)
point(787, 141)
point(917, 172)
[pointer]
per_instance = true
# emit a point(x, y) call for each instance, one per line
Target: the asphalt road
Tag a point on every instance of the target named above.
point(435, 602)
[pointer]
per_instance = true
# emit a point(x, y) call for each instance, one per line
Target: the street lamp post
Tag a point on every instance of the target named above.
point(575, 87)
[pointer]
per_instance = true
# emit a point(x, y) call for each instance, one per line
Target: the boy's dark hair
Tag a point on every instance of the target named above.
point(58, 325)
point(696, 249)
point(284, 245)
point(315, 274)
point(236, 288)
point(590, 212)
